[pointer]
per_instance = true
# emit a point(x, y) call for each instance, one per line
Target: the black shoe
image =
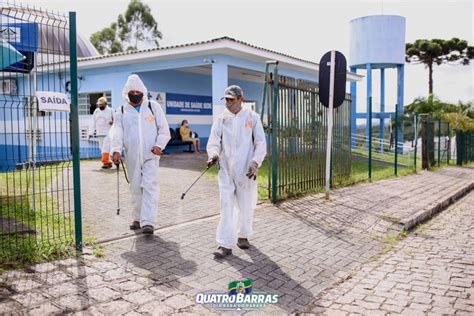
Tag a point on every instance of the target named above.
point(243, 243)
point(135, 225)
point(148, 230)
point(222, 252)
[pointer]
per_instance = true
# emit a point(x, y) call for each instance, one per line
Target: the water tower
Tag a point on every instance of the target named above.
point(377, 42)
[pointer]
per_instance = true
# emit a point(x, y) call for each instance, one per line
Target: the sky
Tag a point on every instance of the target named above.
point(302, 28)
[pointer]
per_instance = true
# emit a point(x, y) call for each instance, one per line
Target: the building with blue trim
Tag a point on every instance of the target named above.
point(187, 80)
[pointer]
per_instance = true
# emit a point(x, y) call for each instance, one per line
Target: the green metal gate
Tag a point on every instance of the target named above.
point(39, 205)
point(297, 127)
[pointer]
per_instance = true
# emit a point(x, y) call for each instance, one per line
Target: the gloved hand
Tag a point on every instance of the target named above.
point(212, 161)
point(253, 170)
point(116, 158)
point(156, 150)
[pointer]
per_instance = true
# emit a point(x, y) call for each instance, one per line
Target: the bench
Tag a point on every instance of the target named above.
point(177, 141)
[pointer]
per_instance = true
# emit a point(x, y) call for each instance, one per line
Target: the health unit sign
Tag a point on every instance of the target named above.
point(184, 104)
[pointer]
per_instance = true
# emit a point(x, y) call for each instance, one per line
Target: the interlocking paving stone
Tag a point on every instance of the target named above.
point(444, 236)
point(177, 172)
point(318, 256)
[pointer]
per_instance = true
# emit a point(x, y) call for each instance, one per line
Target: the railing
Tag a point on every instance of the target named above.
point(384, 150)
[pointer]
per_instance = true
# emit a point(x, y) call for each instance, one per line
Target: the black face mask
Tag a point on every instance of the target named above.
point(135, 98)
point(102, 107)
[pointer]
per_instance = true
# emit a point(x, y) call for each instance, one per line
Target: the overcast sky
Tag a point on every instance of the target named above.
point(301, 28)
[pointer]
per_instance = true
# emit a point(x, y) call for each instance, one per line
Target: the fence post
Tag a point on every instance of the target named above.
point(449, 144)
point(459, 141)
point(75, 130)
point(275, 123)
point(416, 137)
point(396, 139)
point(439, 141)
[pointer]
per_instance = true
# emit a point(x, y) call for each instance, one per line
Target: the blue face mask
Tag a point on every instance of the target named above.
point(135, 99)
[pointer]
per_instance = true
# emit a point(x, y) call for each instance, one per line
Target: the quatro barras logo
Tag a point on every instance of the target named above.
point(239, 296)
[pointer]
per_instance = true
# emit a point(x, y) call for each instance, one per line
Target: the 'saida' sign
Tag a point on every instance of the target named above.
point(52, 101)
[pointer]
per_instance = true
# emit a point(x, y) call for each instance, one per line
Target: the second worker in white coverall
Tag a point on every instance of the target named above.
point(101, 122)
point(141, 130)
point(237, 142)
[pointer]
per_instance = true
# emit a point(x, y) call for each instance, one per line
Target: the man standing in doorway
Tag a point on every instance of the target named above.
point(237, 142)
point(101, 122)
point(142, 131)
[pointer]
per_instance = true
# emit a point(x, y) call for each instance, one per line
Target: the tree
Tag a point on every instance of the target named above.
point(459, 116)
point(107, 41)
point(437, 52)
point(136, 26)
point(432, 106)
point(463, 119)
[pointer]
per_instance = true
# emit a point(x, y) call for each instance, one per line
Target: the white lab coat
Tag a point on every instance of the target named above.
point(100, 123)
point(237, 140)
point(136, 133)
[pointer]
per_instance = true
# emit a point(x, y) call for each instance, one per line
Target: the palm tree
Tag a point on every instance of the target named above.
point(459, 116)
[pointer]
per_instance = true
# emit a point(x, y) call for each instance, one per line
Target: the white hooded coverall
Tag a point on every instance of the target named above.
point(236, 140)
point(100, 124)
point(137, 133)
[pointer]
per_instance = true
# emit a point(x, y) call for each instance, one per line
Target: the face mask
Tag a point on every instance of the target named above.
point(233, 106)
point(102, 107)
point(135, 99)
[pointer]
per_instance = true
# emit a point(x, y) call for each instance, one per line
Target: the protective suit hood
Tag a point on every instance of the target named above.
point(135, 83)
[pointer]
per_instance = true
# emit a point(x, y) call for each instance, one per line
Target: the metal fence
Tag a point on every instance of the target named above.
point(36, 170)
point(426, 143)
point(436, 139)
point(297, 127)
point(465, 147)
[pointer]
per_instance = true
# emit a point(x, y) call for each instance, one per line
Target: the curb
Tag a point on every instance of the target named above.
point(426, 214)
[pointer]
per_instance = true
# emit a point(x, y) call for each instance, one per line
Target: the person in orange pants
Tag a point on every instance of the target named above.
point(101, 122)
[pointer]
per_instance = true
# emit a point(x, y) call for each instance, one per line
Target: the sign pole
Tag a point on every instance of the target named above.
point(330, 122)
point(332, 91)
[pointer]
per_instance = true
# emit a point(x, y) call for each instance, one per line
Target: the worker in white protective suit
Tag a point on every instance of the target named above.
point(142, 131)
point(101, 122)
point(237, 142)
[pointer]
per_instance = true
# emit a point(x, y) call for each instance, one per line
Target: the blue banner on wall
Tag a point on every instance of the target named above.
point(184, 104)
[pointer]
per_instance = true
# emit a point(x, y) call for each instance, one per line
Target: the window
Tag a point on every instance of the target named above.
point(9, 87)
point(87, 101)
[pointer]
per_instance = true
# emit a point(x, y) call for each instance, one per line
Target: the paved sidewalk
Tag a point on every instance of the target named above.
point(430, 271)
point(301, 248)
point(177, 172)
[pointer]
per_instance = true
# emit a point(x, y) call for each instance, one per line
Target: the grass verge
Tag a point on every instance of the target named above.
point(36, 225)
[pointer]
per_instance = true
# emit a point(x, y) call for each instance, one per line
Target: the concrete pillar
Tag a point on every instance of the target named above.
point(219, 84)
